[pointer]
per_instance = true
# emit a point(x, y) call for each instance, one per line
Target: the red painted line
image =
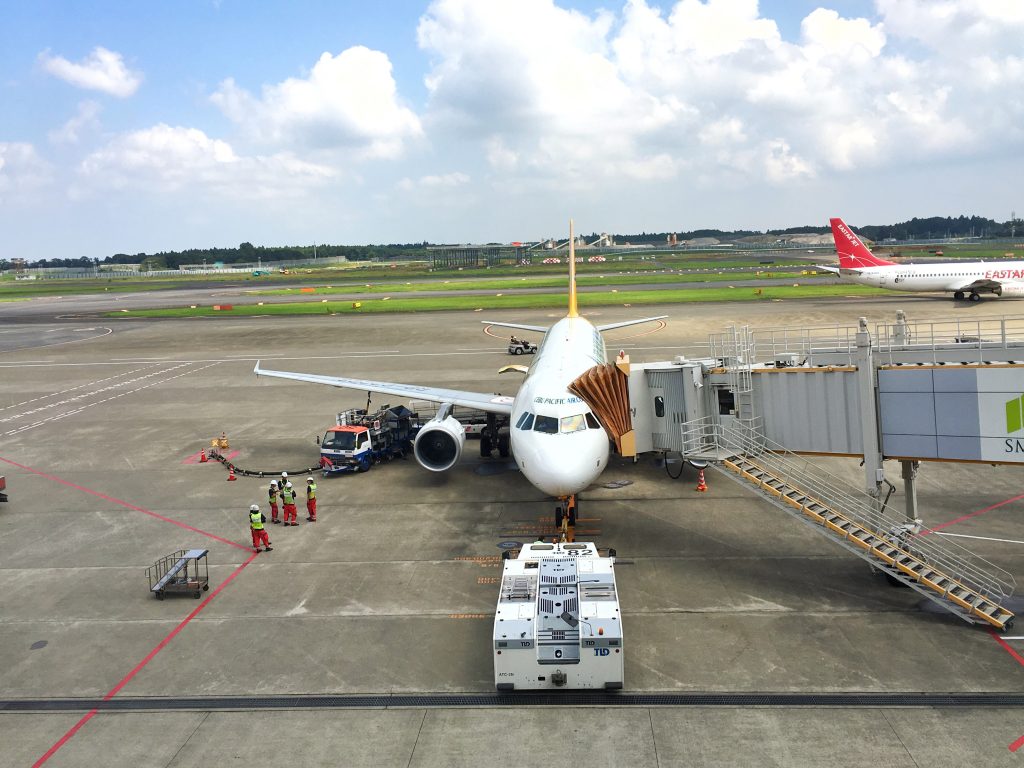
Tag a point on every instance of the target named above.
point(1006, 647)
point(1017, 744)
point(64, 739)
point(971, 514)
point(138, 667)
point(124, 504)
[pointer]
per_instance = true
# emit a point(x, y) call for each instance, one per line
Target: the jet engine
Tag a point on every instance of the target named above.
point(439, 442)
point(1007, 290)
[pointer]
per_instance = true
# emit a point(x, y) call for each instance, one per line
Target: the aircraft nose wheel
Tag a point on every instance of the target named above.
point(570, 511)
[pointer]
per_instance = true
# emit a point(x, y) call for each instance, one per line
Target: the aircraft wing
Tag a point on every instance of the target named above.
point(518, 326)
point(610, 326)
point(979, 285)
point(491, 403)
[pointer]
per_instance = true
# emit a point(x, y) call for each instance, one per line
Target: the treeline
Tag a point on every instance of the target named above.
point(915, 229)
point(245, 253)
point(936, 227)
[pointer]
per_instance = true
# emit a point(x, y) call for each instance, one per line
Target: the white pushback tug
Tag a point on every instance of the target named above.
point(558, 623)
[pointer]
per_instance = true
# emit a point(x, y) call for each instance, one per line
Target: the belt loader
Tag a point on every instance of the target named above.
point(557, 623)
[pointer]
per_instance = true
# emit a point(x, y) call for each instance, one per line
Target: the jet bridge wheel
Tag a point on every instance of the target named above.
point(958, 296)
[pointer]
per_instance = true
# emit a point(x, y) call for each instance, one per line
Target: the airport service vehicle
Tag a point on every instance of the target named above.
point(3, 487)
point(521, 347)
point(558, 624)
point(558, 444)
point(361, 439)
point(964, 279)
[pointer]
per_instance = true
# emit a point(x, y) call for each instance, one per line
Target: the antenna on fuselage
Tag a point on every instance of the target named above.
point(573, 311)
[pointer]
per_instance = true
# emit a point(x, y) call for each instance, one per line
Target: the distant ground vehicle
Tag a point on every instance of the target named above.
point(3, 487)
point(521, 347)
point(363, 439)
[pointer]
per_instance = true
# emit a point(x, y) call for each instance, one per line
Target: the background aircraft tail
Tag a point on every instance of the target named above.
point(853, 254)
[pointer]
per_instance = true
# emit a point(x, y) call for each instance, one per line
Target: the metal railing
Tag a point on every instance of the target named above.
point(955, 561)
point(973, 340)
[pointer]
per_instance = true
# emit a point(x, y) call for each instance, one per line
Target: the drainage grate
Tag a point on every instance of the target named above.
point(544, 699)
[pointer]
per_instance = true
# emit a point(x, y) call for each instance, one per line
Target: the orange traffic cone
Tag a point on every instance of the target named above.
point(231, 472)
point(202, 456)
point(701, 485)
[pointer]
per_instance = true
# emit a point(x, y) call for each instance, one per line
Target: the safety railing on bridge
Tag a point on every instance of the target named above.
point(949, 574)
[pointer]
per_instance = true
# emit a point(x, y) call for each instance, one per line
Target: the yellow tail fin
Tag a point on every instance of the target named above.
point(573, 310)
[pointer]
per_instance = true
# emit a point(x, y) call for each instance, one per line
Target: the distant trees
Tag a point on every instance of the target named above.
point(914, 229)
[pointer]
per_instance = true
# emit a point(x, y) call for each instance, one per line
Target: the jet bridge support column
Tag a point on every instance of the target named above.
point(909, 472)
point(873, 472)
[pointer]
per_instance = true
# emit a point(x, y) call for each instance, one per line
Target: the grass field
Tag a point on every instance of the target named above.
point(468, 284)
point(514, 301)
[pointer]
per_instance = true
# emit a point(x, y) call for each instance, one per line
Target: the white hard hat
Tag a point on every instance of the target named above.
point(287, 485)
point(274, 483)
point(309, 479)
point(254, 507)
point(284, 474)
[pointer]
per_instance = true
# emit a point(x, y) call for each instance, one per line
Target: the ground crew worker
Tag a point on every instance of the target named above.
point(273, 501)
point(288, 499)
point(259, 533)
point(311, 499)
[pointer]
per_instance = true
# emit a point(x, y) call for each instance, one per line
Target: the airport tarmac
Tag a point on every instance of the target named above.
point(749, 639)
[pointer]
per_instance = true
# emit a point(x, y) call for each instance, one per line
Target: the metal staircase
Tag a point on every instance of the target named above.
point(944, 572)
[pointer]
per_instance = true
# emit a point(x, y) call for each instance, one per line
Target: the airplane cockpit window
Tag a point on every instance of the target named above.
point(546, 424)
point(592, 422)
point(525, 422)
point(574, 423)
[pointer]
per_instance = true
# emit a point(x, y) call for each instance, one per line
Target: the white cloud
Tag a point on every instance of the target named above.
point(434, 183)
point(171, 158)
point(22, 171)
point(348, 101)
point(101, 70)
point(86, 117)
point(709, 86)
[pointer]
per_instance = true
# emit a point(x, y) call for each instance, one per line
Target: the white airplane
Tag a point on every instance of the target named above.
point(556, 440)
point(969, 279)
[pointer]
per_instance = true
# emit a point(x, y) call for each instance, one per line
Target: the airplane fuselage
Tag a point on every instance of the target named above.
point(555, 439)
point(935, 277)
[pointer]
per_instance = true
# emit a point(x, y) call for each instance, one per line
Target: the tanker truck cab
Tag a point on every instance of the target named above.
point(348, 447)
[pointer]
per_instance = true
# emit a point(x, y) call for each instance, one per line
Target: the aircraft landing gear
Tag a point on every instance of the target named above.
point(958, 296)
point(568, 513)
point(974, 296)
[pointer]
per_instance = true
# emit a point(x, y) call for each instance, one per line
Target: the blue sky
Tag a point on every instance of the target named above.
point(139, 127)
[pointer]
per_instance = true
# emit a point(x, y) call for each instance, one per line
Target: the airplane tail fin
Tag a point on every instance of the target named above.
point(853, 254)
point(573, 309)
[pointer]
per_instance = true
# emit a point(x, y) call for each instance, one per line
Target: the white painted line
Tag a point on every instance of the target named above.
point(982, 538)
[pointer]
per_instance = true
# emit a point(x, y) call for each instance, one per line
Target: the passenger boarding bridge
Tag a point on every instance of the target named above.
point(908, 392)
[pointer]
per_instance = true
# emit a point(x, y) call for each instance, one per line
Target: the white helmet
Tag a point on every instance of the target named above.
point(284, 474)
point(273, 483)
point(287, 485)
point(309, 479)
point(254, 507)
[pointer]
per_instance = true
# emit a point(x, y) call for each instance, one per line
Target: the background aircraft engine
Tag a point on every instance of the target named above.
point(439, 443)
point(1016, 290)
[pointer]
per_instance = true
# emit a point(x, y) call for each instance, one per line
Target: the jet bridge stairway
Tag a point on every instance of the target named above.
point(944, 572)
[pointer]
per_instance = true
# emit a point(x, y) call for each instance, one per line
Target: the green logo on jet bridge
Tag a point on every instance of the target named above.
point(1015, 414)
